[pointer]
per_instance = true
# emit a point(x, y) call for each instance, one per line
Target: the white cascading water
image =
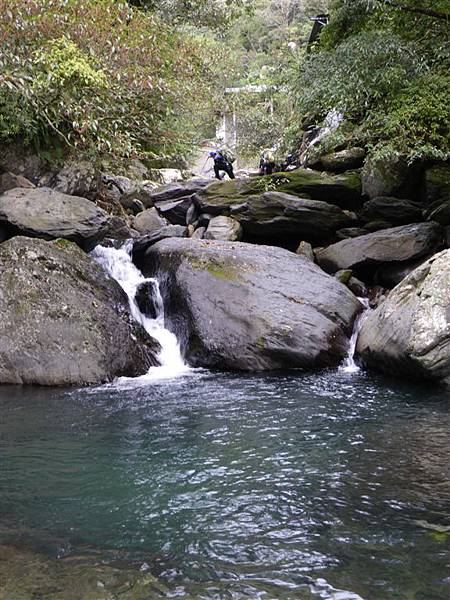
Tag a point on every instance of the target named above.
point(348, 364)
point(119, 265)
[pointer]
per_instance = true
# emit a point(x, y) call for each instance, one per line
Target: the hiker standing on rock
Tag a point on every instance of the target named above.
point(267, 162)
point(222, 162)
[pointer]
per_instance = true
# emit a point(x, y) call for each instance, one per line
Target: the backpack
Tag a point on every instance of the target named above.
point(228, 155)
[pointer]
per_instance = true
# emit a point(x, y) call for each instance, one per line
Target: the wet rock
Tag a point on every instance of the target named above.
point(47, 214)
point(247, 307)
point(149, 220)
point(408, 334)
point(275, 215)
point(64, 322)
point(397, 244)
point(344, 160)
point(175, 211)
point(305, 249)
point(224, 228)
point(147, 299)
point(396, 211)
point(390, 177)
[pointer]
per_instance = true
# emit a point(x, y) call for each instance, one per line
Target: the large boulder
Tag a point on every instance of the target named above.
point(390, 176)
point(342, 190)
point(64, 322)
point(437, 183)
point(343, 160)
point(149, 220)
point(397, 211)
point(396, 244)
point(180, 189)
point(240, 306)
point(409, 333)
point(9, 181)
point(279, 215)
point(75, 177)
point(47, 214)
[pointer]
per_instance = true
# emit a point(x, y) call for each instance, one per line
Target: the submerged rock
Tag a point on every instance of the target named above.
point(248, 307)
point(397, 244)
point(47, 214)
point(64, 322)
point(409, 333)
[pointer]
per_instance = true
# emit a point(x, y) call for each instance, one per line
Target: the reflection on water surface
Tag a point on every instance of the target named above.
point(227, 486)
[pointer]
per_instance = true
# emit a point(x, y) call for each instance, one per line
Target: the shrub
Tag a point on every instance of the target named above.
point(100, 76)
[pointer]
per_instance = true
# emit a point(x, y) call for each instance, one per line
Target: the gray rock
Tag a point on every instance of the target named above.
point(341, 190)
point(408, 334)
point(397, 244)
point(394, 210)
point(9, 181)
point(350, 232)
point(373, 226)
point(166, 176)
point(149, 220)
point(119, 229)
point(357, 287)
point(305, 249)
point(64, 322)
point(390, 177)
point(75, 178)
point(199, 233)
point(128, 192)
point(439, 212)
point(242, 306)
point(278, 215)
point(343, 275)
point(176, 211)
point(143, 242)
point(47, 214)
point(437, 184)
point(224, 228)
point(180, 189)
point(344, 160)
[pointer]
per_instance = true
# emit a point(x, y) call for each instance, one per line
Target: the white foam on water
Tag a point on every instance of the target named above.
point(118, 264)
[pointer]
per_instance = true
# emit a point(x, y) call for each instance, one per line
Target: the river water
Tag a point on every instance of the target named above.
point(332, 485)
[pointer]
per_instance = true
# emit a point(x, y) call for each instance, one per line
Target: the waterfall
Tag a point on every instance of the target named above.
point(119, 265)
point(348, 364)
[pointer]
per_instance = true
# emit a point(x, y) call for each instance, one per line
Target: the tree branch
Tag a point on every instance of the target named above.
point(420, 11)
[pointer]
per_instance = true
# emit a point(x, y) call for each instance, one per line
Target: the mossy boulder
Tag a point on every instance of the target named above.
point(64, 322)
point(343, 160)
point(341, 190)
point(437, 183)
point(391, 176)
point(241, 306)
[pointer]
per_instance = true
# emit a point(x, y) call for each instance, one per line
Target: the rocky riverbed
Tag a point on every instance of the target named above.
point(255, 273)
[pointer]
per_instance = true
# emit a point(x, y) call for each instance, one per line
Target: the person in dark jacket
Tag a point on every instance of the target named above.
point(221, 163)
